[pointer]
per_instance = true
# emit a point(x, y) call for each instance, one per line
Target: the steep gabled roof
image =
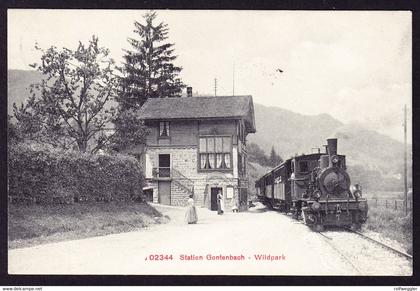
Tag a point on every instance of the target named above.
point(238, 107)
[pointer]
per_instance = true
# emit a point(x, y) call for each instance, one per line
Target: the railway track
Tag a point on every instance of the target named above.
point(367, 256)
point(341, 253)
point(330, 240)
point(382, 244)
point(364, 254)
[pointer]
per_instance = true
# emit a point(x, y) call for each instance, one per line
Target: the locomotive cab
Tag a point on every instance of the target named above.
point(316, 188)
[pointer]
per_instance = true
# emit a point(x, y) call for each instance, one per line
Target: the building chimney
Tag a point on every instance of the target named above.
point(189, 91)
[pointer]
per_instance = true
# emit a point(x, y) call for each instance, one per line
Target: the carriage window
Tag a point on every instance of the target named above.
point(303, 166)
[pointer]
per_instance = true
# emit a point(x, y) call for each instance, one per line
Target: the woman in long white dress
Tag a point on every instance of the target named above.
point(220, 204)
point(191, 213)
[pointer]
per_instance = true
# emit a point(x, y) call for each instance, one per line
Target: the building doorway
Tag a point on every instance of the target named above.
point(148, 194)
point(213, 197)
point(164, 190)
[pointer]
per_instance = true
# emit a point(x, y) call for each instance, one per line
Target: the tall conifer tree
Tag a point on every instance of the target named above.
point(148, 70)
point(274, 158)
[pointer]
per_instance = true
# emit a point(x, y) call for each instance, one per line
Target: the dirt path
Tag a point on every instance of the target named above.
point(257, 232)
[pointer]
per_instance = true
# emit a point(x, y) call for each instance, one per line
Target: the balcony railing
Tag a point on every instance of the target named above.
point(162, 172)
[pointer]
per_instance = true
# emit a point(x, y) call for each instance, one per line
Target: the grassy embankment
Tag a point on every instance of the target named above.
point(37, 224)
point(391, 223)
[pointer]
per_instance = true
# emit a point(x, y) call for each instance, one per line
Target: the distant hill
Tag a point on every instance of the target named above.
point(371, 153)
point(290, 133)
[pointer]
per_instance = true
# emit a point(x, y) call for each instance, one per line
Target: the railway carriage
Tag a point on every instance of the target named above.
point(315, 188)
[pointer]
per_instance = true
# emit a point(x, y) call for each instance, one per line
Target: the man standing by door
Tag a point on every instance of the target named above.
point(219, 203)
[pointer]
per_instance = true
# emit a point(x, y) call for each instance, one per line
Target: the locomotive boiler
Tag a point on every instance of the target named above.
point(316, 188)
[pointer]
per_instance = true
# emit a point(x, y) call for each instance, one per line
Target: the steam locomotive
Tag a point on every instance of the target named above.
point(316, 188)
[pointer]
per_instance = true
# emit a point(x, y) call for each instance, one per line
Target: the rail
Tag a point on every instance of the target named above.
point(381, 244)
point(401, 253)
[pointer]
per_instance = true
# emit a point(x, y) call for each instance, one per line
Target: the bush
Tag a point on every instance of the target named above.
point(43, 174)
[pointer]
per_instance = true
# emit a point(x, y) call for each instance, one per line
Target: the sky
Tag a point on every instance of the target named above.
point(353, 65)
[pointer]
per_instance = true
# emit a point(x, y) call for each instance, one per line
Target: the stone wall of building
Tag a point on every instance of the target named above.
point(184, 160)
point(179, 196)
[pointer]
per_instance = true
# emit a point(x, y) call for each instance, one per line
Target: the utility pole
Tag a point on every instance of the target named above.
point(215, 87)
point(405, 159)
point(233, 80)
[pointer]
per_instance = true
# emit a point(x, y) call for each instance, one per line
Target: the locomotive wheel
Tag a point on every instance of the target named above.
point(282, 207)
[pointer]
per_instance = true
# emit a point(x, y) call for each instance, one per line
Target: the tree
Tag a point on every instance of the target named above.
point(129, 130)
point(257, 155)
point(274, 158)
point(148, 70)
point(13, 133)
point(70, 107)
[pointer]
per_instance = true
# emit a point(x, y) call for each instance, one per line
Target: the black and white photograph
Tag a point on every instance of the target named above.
point(209, 142)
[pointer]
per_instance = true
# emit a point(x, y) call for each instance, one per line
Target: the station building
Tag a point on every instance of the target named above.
point(197, 145)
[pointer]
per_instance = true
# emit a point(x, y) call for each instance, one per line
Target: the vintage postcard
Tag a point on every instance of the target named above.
point(210, 142)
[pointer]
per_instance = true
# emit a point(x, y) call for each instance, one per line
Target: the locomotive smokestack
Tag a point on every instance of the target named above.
point(332, 146)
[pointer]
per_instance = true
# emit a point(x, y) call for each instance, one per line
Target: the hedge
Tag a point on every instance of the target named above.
point(43, 174)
